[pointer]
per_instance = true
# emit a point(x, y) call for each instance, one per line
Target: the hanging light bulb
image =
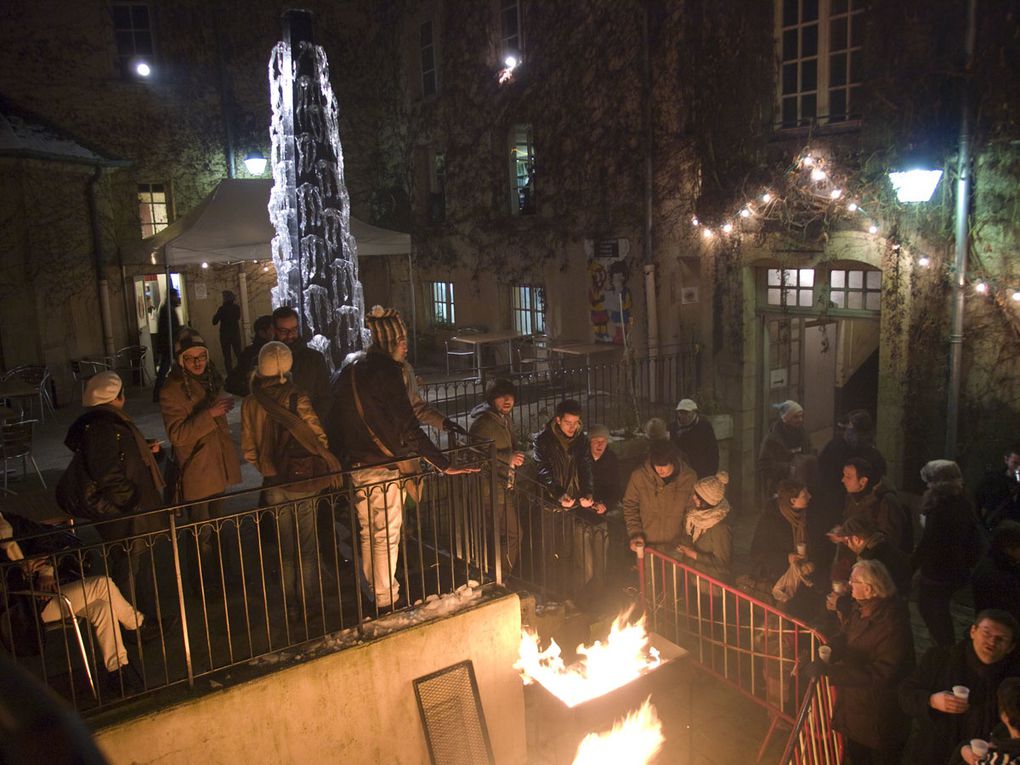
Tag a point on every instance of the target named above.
point(766, 197)
point(727, 228)
point(981, 288)
point(852, 207)
point(817, 174)
point(1016, 296)
point(872, 229)
point(745, 213)
point(836, 193)
point(924, 261)
point(808, 161)
point(707, 233)
point(695, 221)
point(204, 264)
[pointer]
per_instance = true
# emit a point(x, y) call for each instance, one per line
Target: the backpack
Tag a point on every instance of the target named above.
point(82, 497)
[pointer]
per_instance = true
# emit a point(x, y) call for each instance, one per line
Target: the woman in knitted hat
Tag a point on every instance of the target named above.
point(194, 412)
point(707, 540)
point(949, 546)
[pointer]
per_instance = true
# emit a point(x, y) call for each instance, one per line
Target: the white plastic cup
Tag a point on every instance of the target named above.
point(801, 549)
point(824, 653)
point(840, 587)
point(961, 692)
point(979, 747)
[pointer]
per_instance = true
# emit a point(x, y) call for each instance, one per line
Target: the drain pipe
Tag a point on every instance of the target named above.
point(963, 171)
point(651, 307)
point(102, 283)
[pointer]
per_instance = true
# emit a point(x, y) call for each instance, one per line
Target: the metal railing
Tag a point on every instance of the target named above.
point(748, 644)
point(245, 576)
point(813, 741)
point(622, 394)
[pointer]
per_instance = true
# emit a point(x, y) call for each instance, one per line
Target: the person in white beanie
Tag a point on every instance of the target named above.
point(112, 455)
point(784, 448)
point(707, 540)
point(282, 436)
point(695, 438)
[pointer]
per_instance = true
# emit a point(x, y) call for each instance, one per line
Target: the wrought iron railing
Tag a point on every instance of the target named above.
point(259, 574)
point(620, 395)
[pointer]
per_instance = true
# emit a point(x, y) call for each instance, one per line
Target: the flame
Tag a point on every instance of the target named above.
point(635, 739)
point(602, 668)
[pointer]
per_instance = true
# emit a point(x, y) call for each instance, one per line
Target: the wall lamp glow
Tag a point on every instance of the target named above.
point(255, 163)
point(142, 69)
point(915, 185)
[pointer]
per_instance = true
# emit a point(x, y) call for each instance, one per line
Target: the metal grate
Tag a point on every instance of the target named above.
point(451, 714)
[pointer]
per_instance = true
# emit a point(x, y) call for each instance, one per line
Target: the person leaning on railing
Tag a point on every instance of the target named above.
point(707, 541)
point(873, 652)
point(657, 498)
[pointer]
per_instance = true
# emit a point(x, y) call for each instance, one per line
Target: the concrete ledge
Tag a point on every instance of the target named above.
point(356, 705)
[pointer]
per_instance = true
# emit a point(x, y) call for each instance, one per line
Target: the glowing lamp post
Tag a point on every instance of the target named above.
point(255, 163)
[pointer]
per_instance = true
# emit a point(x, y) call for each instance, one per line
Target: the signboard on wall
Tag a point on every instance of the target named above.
point(777, 378)
point(200, 291)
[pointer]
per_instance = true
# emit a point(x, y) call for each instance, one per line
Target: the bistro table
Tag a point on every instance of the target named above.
point(478, 340)
point(16, 388)
point(587, 350)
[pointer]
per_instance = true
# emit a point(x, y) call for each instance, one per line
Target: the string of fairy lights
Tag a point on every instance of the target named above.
point(817, 190)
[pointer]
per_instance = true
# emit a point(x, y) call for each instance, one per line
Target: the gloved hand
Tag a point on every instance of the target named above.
point(813, 669)
point(452, 427)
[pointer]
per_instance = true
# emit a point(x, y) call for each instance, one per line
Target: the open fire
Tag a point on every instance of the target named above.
point(602, 667)
point(635, 739)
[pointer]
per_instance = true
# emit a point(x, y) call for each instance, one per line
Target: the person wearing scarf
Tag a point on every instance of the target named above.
point(707, 541)
point(272, 414)
point(195, 416)
point(113, 453)
point(871, 656)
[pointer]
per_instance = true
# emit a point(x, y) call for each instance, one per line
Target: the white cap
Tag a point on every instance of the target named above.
point(687, 405)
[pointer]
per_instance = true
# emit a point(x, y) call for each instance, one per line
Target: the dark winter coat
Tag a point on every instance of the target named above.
point(996, 583)
point(998, 498)
point(109, 447)
point(778, 450)
point(380, 386)
point(238, 381)
point(311, 376)
point(895, 561)
point(939, 670)
point(950, 544)
point(697, 444)
point(884, 508)
point(228, 316)
point(870, 657)
point(1004, 750)
point(773, 541)
point(654, 508)
point(563, 470)
point(605, 473)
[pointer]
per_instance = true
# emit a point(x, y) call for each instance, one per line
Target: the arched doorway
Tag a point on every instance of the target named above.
point(819, 341)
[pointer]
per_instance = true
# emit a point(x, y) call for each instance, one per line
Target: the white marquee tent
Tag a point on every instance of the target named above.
point(232, 225)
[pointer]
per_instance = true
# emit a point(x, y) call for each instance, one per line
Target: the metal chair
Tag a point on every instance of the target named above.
point(69, 622)
point(82, 370)
point(38, 377)
point(457, 349)
point(531, 354)
point(130, 360)
point(16, 443)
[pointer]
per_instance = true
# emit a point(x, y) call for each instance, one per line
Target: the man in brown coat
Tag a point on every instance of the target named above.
point(195, 416)
point(657, 497)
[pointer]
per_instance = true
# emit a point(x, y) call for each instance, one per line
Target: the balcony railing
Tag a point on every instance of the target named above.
point(242, 584)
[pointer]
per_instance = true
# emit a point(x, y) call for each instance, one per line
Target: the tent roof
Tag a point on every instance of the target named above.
point(232, 224)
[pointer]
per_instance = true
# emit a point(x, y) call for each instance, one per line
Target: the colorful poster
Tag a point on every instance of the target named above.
point(609, 297)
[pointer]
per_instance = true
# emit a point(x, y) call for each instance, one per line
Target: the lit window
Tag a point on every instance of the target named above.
point(510, 27)
point(820, 50)
point(790, 287)
point(132, 31)
point(152, 208)
point(522, 170)
point(855, 290)
point(428, 60)
point(527, 309)
point(440, 303)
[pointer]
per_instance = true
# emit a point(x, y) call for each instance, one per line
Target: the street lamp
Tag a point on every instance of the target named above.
point(916, 184)
point(255, 163)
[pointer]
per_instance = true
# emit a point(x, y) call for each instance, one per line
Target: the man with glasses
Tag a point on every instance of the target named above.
point(951, 694)
point(310, 372)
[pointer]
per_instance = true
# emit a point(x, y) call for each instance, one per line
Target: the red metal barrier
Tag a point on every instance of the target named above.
point(746, 643)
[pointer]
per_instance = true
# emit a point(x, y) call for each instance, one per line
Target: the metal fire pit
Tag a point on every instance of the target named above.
point(555, 730)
